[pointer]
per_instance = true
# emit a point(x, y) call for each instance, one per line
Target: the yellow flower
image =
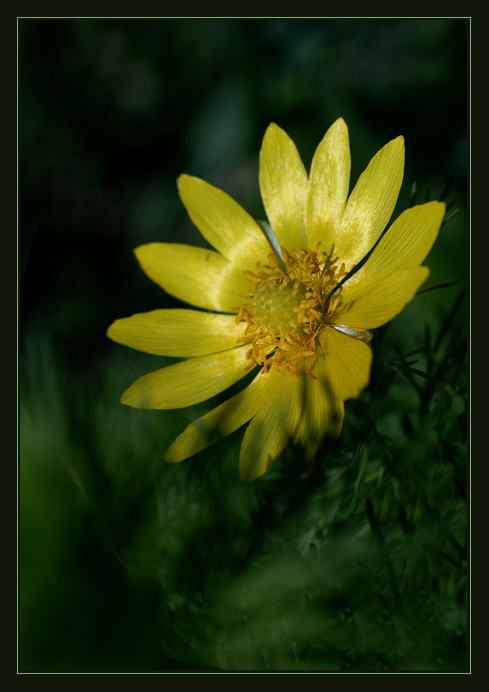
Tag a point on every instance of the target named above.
point(278, 298)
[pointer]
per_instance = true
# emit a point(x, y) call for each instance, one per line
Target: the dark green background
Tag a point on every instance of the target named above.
point(117, 549)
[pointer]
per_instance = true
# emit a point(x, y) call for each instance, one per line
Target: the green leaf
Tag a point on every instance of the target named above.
point(434, 288)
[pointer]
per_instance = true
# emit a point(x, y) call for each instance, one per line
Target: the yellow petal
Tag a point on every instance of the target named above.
point(371, 204)
point(346, 364)
point(383, 300)
point(200, 277)
point(223, 222)
point(177, 333)
point(283, 185)
point(404, 245)
point(221, 421)
point(189, 382)
point(274, 425)
point(322, 416)
point(328, 187)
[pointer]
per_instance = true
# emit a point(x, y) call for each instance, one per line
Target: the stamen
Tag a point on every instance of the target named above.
point(286, 311)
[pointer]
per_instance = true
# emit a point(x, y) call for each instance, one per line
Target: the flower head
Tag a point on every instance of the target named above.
point(292, 299)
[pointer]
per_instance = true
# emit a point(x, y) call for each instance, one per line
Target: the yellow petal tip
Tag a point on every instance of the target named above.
point(340, 123)
point(140, 250)
point(170, 458)
point(183, 178)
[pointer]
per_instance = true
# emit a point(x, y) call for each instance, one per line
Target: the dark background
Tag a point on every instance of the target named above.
point(115, 547)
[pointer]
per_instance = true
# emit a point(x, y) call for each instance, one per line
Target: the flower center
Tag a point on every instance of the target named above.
point(288, 306)
point(275, 307)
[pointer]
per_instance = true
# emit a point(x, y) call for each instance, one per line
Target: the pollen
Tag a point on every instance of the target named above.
point(290, 302)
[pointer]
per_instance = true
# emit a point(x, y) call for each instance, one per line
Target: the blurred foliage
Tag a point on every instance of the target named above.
point(126, 563)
